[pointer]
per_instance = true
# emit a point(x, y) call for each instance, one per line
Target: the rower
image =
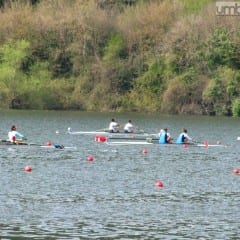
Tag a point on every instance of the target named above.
point(128, 128)
point(113, 126)
point(183, 137)
point(164, 136)
point(14, 136)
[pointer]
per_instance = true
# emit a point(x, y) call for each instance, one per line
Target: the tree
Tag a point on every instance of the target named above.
point(12, 54)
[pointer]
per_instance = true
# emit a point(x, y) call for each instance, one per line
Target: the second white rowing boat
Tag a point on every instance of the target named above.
point(147, 143)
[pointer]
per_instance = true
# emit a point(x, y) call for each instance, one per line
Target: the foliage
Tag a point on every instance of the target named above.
point(192, 6)
point(222, 49)
point(11, 56)
point(236, 107)
point(143, 55)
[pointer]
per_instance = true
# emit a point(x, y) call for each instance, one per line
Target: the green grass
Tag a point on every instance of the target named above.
point(194, 6)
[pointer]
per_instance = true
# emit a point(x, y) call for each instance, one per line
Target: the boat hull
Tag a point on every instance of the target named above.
point(26, 144)
point(156, 142)
point(112, 135)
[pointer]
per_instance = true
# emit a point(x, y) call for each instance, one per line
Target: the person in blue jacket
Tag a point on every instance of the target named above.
point(165, 136)
point(183, 137)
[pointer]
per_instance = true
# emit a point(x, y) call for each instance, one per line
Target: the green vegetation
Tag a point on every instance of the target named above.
point(169, 56)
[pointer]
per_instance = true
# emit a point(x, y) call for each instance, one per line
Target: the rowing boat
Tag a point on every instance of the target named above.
point(129, 143)
point(22, 144)
point(105, 132)
point(143, 137)
point(156, 142)
point(69, 131)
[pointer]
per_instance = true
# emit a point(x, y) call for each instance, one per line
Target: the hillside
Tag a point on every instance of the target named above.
point(169, 56)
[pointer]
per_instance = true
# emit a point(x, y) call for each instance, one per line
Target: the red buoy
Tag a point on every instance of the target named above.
point(185, 145)
point(49, 143)
point(236, 171)
point(206, 144)
point(28, 169)
point(99, 138)
point(90, 158)
point(159, 184)
point(96, 138)
point(144, 151)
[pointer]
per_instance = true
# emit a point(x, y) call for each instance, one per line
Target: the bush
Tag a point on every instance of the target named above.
point(236, 107)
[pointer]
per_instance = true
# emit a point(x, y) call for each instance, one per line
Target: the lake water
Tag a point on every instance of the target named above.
point(114, 196)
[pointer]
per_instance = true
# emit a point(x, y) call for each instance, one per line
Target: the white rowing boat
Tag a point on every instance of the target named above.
point(128, 143)
point(124, 136)
point(26, 144)
point(143, 137)
point(147, 143)
point(69, 131)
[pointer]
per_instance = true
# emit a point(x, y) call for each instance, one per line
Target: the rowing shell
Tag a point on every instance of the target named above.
point(143, 137)
point(149, 143)
point(129, 143)
point(25, 144)
point(112, 135)
point(86, 132)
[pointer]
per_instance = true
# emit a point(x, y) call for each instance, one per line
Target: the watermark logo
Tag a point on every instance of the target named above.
point(227, 8)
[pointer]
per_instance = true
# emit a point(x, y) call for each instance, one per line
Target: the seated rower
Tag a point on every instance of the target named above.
point(14, 136)
point(128, 128)
point(164, 136)
point(183, 137)
point(160, 132)
point(113, 126)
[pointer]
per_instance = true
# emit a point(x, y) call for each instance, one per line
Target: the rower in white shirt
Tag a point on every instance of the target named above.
point(113, 126)
point(128, 128)
point(15, 136)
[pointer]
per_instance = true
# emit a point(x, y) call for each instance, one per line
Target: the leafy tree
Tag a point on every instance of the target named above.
point(12, 54)
point(222, 49)
point(236, 108)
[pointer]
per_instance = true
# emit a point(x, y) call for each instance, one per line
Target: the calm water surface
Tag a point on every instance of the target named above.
point(114, 197)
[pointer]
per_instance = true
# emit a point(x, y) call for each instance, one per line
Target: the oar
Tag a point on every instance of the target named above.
point(205, 143)
point(136, 129)
point(102, 130)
